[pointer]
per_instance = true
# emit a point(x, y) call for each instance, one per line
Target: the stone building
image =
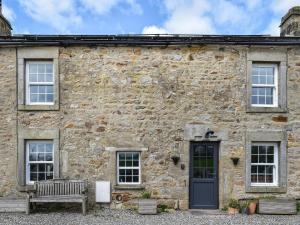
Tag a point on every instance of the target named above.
point(195, 120)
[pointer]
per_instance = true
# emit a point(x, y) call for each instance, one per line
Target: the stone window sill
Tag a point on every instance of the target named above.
point(266, 110)
point(54, 107)
point(253, 189)
point(129, 187)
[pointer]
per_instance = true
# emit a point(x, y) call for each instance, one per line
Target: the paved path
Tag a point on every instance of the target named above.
point(118, 217)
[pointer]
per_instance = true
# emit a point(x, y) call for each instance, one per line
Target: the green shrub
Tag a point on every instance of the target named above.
point(233, 203)
point(298, 206)
point(162, 208)
point(146, 195)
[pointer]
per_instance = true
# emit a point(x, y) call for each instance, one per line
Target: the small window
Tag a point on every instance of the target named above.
point(129, 170)
point(264, 85)
point(264, 164)
point(39, 160)
point(40, 83)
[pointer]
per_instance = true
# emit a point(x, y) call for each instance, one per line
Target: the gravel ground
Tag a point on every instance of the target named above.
point(122, 217)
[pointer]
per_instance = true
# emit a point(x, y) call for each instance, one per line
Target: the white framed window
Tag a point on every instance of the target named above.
point(264, 164)
point(39, 161)
point(128, 168)
point(264, 85)
point(39, 83)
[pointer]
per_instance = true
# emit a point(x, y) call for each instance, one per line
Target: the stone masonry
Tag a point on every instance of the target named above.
point(145, 97)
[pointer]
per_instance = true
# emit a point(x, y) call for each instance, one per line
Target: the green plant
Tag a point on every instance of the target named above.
point(298, 206)
point(162, 208)
point(146, 195)
point(233, 203)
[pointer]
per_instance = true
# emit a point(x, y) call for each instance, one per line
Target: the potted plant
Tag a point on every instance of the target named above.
point(252, 207)
point(146, 205)
point(244, 207)
point(233, 207)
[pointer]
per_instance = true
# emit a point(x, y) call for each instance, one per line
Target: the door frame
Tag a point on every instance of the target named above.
point(218, 144)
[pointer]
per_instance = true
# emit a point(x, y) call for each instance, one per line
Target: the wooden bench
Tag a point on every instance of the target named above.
point(59, 191)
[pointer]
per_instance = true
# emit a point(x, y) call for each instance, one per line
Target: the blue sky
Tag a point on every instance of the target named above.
point(146, 16)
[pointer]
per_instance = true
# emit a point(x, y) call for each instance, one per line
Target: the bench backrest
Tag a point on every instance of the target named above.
point(60, 187)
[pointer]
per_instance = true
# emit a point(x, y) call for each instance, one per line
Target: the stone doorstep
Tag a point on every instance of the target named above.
point(205, 212)
point(12, 205)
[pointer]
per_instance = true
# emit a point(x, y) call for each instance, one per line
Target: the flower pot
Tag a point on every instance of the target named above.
point(233, 211)
point(252, 208)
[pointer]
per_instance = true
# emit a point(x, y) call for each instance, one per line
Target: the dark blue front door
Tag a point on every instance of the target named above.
point(204, 187)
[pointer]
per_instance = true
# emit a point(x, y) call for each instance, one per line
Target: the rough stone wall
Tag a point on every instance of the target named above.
point(8, 115)
point(144, 97)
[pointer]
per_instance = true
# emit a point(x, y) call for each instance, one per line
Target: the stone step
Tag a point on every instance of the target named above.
point(203, 212)
point(12, 205)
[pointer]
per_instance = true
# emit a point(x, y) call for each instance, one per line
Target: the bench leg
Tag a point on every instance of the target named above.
point(28, 207)
point(84, 206)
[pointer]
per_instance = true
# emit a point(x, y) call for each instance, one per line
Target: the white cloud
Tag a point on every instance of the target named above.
point(273, 28)
point(60, 15)
point(154, 30)
point(251, 4)
point(185, 16)
point(102, 7)
point(8, 13)
point(227, 12)
point(282, 6)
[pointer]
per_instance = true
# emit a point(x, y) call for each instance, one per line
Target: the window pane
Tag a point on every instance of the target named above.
point(34, 89)
point(255, 80)
point(129, 179)
point(262, 158)
point(261, 169)
point(261, 178)
point(135, 172)
point(262, 149)
point(41, 168)
point(254, 150)
point(121, 156)
point(49, 68)
point(121, 179)
point(128, 172)
point(128, 157)
point(135, 179)
point(253, 169)
point(32, 157)
point(269, 178)
point(41, 147)
point(254, 178)
point(49, 147)
point(269, 100)
point(254, 158)
point(122, 163)
point(34, 98)
point(129, 163)
point(49, 98)
point(49, 157)
point(41, 176)
point(270, 159)
point(135, 156)
point(32, 68)
point(121, 172)
point(32, 148)
point(270, 150)
point(41, 68)
point(33, 78)
point(135, 163)
point(33, 176)
point(33, 168)
point(41, 77)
